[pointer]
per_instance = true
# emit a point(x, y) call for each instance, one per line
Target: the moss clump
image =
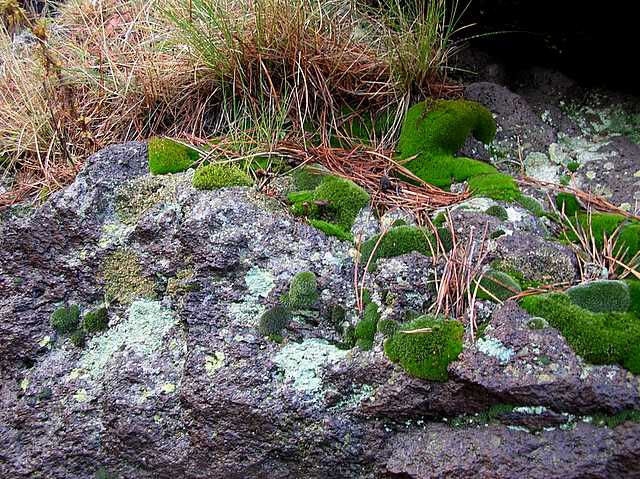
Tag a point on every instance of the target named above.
point(531, 204)
point(387, 327)
point(498, 211)
point(168, 156)
point(303, 291)
point(496, 186)
point(78, 338)
point(65, 319)
point(569, 202)
point(124, 282)
point(601, 296)
point(96, 320)
point(612, 421)
point(434, 130)
point(498, 285)
point(332, 206)
point(573, 166)
point(220, 175)
point(600, 338)
point(426, 355)
point(307, 177)
point(634, 296)
point(399, 241)
point(496, 234)
point(366, 327)
point(273, 321)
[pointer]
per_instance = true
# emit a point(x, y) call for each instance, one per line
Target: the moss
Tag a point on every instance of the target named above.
point(387, 327)
point(629, 238)
point(274, 320)
point(96, 320)
point(600, 338)
point(399, 241)
point(537, 323)
point(634, 296)
point(531, 204)
point(426, 355)
point(497, 211)
point(496, 234)
point(612, 421)
point(573, 166)
point(434, 130)
point(601, 296)
point(602, 224)
point(332, 207)
point(498, 285)
point(366, 327)
point(168, 156)
point(307, 177)
point(65, 319)
point(78, 338)
point(439, 220)
point(220, 175)
point(496, 186)
point(124, 282)
point(569, 202)
point(303, 291)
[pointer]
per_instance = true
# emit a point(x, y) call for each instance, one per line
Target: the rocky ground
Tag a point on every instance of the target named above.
point(183, 385)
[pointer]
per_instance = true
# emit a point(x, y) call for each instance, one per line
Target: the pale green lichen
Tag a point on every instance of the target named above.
point(302, 363)
point(141, 332)
point(259, 283)
point(360, 394)
point(168, 388)
point(81, 395)
point(494, 348)
point(213, 362)
point(136, 197)
point(124, 282)
point(114, 233)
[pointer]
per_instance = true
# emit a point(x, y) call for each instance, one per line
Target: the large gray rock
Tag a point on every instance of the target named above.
point(183, 385)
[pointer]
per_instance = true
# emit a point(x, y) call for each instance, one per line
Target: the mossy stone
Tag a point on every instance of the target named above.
point(426, 355)
point(600, 338)
point(220, 175)
point(308, 177)
point(65, 319)
point(303, 291)
point(168, 156)
point(124, 281)
point(601, 296)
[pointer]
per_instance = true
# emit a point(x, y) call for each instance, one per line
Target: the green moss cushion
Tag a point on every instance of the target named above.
point(168, 156)
point(220, 175)
point(426, 355)
point(600, 338)
point(602, 296)
point(496, 186)
point(497, 285)
point(303, 291)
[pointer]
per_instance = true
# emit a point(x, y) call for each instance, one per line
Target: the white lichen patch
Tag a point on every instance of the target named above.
point(494, 348)
point(81, 395)
point(168, 388)
point(259, 282)
point(142, 332)
point(530, 409)
point(514, 215)
point(539, 166)
point(114, 233)
point(477, 204)
point(361, 393)
point(302, 363)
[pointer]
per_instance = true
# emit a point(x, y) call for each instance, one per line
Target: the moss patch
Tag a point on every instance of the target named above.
point(366, 327)
point(496, 186)
point(124, 282)
point(220, 175)
point(601, 296)
point(168, 156)
point(497, 211)
point(569, 202)
point(335, 202)
point(273, 321)
point(96, 320)
point(600, 338)
point(65, 319)
point(303, 291)
point(426, 354)
point(497, 285)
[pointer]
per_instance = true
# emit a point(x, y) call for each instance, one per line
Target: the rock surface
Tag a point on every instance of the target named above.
point(183, 385)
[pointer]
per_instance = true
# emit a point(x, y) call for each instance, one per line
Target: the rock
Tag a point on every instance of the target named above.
point(182, 383)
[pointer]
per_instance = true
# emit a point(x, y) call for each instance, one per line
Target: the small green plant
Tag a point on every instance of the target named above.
point(498, 211)
point(600, 338)
point(331, 230)
point(303, 291)
point(573, 166)
point(168, 156)
point(425, 346)
point(220, 175)
point(66, 319)
point(601, 296)
point(96, 320)
point(497, 286)
point(273, 321)
point(366, 327)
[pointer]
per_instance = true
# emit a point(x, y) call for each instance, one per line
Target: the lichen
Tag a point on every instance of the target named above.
point(493, 347)
point(302, 363)
point(136, 197)
point(123, 278)
point(141, 332)
point(213, 362)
